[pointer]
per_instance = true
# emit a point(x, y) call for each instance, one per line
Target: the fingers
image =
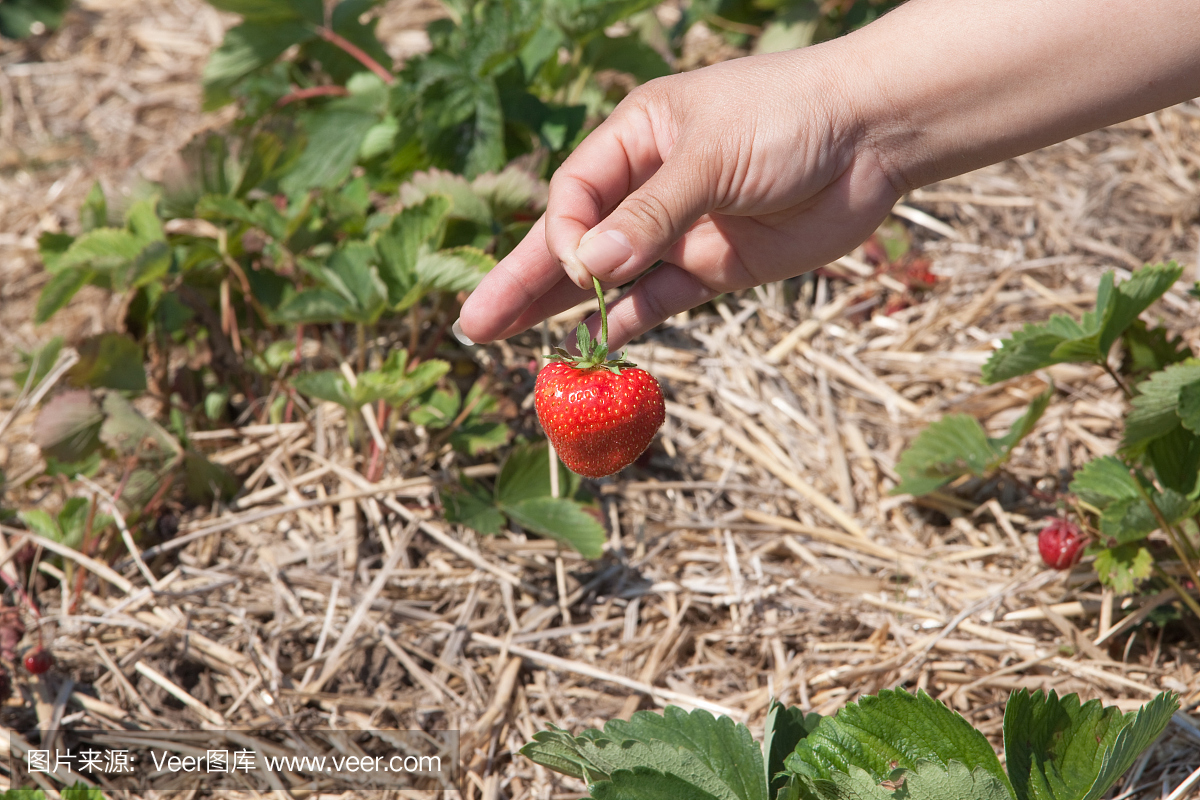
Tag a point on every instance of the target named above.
point(516, 283)
point(655, 298)
point(655, 189)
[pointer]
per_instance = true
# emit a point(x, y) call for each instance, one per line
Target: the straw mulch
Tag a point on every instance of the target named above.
point(756, 554)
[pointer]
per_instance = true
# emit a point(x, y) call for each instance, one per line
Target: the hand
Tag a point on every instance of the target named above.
point(734, 175)
point(762, 168)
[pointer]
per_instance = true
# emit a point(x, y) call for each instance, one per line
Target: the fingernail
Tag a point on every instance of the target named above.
point(604, 252)
point(456, 328)
point(577, 272)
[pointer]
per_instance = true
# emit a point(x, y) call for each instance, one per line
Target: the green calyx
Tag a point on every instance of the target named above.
point(593, 353)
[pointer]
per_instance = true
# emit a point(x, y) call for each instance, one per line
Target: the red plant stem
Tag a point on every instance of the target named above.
point(313, 91)
point(355, 52)
point(16, 587)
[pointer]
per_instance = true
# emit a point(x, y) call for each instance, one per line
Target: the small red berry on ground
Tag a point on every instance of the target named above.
point(39, 661)
point(1060, 544)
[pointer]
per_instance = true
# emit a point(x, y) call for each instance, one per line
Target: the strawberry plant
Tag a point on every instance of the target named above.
point(893, 745)
point(1119, 501)
point(523, 495)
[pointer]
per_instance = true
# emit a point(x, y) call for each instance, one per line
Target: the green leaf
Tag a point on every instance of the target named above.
point(224, 207)
point(456, 270)
point(379, 139)
point(644, 783)
point(1176, 459)
point(561, 519)
point(94, 211)
point(1103, 480)
point(103, 249)
point(472, 506)
point(930, 781)
point(953, 446)
point(1024, 424)
point(205, 481)
point(72, 521)
point(438, 408)
point(51, 247)
point(783, 730)
point(400, 243)
point(329, 385)
point(68, 427)
point(111, 361)
point(81, 791)
point(273, 10)
point(59, 290)
point(1028, 349)
point(526, 475)
point(890, 730)
point(1058, 749)
point(246, 48)
point(1189, 407)
point(464, 202)
point(1155, 408)
point(1134, 296)
point(350, 271)
point(41, 523)
point(395, 383)
point(315, 305)
point(128, 432)
point(37, 365)
point(626, 54)
point(1122, 567)
point(335, 136)
point(1149, 350)
point(699, 755)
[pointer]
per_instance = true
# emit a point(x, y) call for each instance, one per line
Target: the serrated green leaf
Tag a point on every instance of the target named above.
point(1189, 407)
point(351, 271)
point(273, 10)
point(37, 365)
point(222, 206)
point(561, 519)
point(526, 475)
point(893, 729)
point(1057, 749)
point(644, 783)
point(562, 752)
point(1176, 460)
point(1134, 296)
point(456, 270)
point(110, 361)
point(68, 427)
point(335, 136)
point(471, 506)
point(1103, 480)
point(41, 523)
point(953, 446)
point(782, 731)
point(72, 521)
point(329, 385)
point(244, 49)
point(395, 383)
point(512, 189)
point(205, 481)
point(1024, 351)
point(379, 139)
point(51, 247)
point(465, 204)
point(932, 782)
point(1122, 567)
point(1155, 408)
point(438, 408)
point(102, 249)
point(855, 784)
point(80, 791)
point(59, 290)
point(1024, 425)
point(724, 747)
point(127, 431)
point(400, 243)
point(1148, 350)
point(94, 211)
point(315, 305)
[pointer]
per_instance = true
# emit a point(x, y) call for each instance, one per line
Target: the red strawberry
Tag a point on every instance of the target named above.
point(1060, 544)
point(39, 660)
point(599, 413)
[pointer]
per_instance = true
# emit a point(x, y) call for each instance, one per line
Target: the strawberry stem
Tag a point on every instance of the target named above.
point(603, 313)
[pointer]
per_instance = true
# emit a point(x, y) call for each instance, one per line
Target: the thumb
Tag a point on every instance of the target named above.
point(644, 225)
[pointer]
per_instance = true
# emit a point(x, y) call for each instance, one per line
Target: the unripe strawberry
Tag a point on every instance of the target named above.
point(1060, 544)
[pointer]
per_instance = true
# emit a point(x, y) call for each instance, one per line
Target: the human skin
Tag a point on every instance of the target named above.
point(766, 167)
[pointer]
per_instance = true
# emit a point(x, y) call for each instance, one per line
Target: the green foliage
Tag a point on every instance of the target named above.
point(21, 18)
point(887, 747)
point(395, 382)
point(522, 494)
point(1037, 346)
point(957, 445)
point(1154, 481)
point(477, 432)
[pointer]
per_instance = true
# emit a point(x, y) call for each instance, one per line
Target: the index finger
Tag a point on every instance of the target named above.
point(617, 157)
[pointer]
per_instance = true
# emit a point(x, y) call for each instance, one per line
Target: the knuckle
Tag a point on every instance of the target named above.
point(649, 213)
